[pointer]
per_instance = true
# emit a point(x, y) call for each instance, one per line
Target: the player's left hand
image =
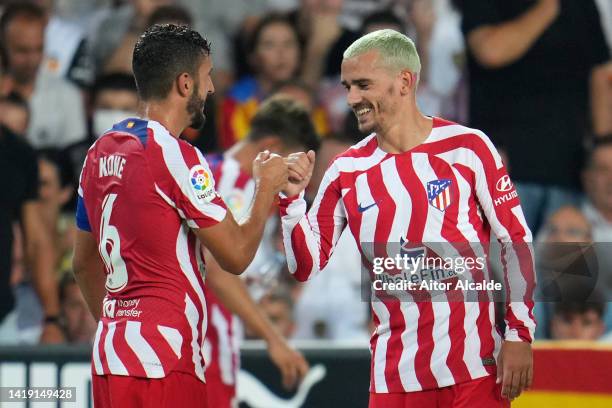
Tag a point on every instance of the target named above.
point(300, 167)
point(291, 363)
point(514, 368)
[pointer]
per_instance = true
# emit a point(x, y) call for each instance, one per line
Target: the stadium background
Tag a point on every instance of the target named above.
point(545, 107)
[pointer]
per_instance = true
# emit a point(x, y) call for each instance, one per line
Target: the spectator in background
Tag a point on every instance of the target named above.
point(298, 90)
point(278, 306)
point(578, 321)
point(14, 113)
point(597, 178)
point(20, 201)
point(318, 22)
point(114, 98)
point(112, 42)
point(22, 35)
point(55, 191)
point(171, 14)
point(274, 55)
point(530, 64)
point(566, 271)
point(79, 325)
point(65, 47)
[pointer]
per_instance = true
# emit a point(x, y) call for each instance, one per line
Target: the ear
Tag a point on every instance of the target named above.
point(184, 84)
point(409, 81)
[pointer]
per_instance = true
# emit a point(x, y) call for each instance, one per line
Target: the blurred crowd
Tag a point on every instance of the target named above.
point(535, 75)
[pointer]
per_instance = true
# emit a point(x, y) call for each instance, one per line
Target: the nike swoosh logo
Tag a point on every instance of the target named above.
point(362, 209)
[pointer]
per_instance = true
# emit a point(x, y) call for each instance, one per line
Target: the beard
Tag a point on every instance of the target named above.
point(195, 107)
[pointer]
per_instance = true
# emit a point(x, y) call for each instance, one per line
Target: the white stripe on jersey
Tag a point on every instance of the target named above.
point(96, 350)
point(442, 343)
point(114, 363)
point(224, 345)
point(471, 350)
point(173, 337)
point(190, 223)
point(175, 163)
point(143, 350)
point(410, 346)
point(380, 351)
point(193, 317)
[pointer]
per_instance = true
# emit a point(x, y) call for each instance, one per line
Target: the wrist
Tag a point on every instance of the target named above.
point(52, 319)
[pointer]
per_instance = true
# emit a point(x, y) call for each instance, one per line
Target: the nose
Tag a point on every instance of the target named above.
point(353, 97)
point(212, 86)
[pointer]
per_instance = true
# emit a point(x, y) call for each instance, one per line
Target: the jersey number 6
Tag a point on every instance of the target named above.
point(110, 246)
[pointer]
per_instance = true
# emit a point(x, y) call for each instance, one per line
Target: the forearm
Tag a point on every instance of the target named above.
point(302, 246)
point(251, 227)
point(312, 69)
point(499, 45)
point(92, 282)
point(233, 293)
point(601, 99)
point(42, 260)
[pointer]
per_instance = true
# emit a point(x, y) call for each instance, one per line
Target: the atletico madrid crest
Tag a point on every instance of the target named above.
point(438, 193)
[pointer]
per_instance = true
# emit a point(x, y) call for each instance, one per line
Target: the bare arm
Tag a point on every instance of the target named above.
point(498, 45)
point(89, 271)
point(234, 244)
point(41, 258)
point(233, 293)
point(601, 99)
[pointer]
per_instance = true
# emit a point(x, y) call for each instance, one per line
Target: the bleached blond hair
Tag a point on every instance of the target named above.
point(397, 51)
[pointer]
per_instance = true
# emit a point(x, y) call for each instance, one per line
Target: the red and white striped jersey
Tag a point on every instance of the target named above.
point(141, 192)
point(225, 330)
point(442, 191)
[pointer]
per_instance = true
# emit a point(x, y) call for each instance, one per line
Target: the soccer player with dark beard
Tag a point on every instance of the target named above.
point(147, 205)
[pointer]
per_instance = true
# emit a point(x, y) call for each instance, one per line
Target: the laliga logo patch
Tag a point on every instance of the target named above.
point(201, 183)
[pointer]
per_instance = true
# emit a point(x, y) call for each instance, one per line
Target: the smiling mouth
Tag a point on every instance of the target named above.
point(362, 111)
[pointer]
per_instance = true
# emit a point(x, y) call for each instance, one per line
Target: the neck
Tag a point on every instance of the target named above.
point(171, 117)
point(406, 131)
point(244, 153)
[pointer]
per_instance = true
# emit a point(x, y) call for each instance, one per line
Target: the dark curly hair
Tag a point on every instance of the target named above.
point(283, 117)
point(162, 53)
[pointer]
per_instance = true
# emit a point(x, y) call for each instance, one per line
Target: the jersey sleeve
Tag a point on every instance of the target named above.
point(309, 239)
point(82, 219)
point(499, 201)
point(477, 13)
point(184, 180)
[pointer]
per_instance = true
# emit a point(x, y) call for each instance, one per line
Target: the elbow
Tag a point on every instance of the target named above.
point(234, 266)
point(490, 57)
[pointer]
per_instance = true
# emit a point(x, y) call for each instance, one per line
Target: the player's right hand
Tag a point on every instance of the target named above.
point(291, 363)
point(300, 171)
point(270, 172)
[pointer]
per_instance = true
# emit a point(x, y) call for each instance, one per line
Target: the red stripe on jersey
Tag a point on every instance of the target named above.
point(326, 223)
point(416, 229)
point(304, 268)
point(125, 353)
point(101, 351)
point(397, 325)
point(242, 180)
point(451, 233)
